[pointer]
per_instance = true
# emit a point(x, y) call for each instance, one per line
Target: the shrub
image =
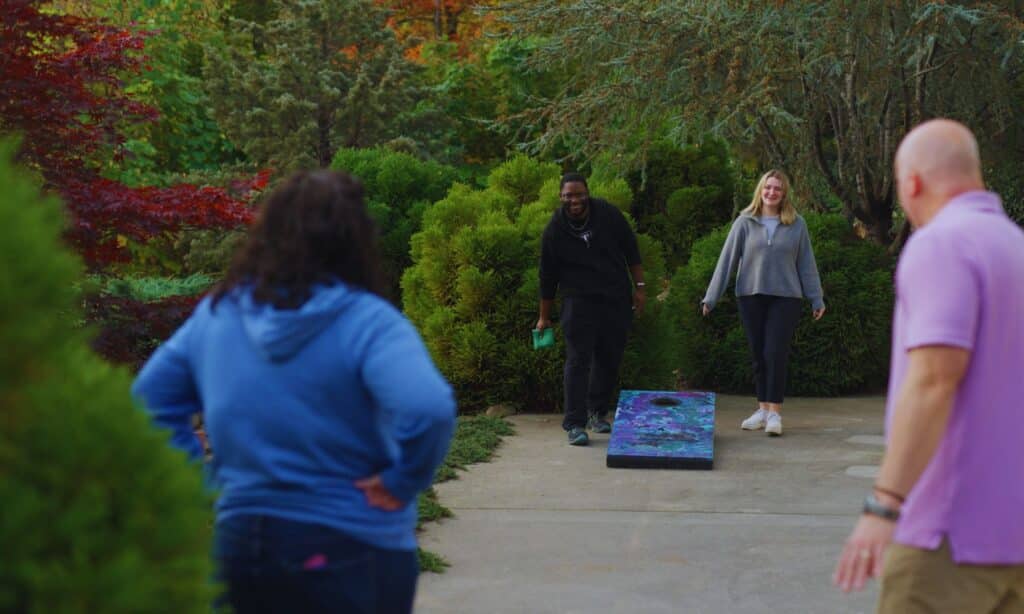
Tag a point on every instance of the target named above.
point(155, 288)
point(399, 187)
point(100, 513)
point(131, 329)
point(473, 291)
point(847, 351)
point(681, 194)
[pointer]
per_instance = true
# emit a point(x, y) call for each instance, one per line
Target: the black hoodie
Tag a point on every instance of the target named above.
point(588, 261)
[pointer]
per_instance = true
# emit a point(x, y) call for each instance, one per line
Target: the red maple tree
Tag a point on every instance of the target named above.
point(61, 89)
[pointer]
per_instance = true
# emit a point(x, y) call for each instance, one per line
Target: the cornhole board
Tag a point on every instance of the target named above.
point(660, 429)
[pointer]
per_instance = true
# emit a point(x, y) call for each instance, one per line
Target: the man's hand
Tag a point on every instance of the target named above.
point(704, 309)
point(377, 495)
point(862, 556)
point(543, 323)
point(817, 313)
point(639, 300)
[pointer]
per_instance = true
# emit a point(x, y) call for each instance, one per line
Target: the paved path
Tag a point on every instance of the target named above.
point(547, 528)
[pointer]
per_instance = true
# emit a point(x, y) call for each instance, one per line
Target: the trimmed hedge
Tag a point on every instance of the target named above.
point(399, 187)
point(100, 514)
point(845, 352)
point(473, 291)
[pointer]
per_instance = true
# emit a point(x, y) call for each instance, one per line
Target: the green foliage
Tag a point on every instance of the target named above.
point(399, 188)
point(430, 562)
point(476, 438)
point(208, 251)
point(100, 513)
point(185, 137)
point(682, 193)
point(845, 352)
point(477, 101)
point(315, 77)
point(154, 288)
point(473, 291)
point(823, 89)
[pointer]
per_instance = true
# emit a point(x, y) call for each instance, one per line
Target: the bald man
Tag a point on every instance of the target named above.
point(947, 508)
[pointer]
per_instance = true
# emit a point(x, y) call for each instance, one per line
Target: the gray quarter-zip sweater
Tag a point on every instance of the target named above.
point(782, 265)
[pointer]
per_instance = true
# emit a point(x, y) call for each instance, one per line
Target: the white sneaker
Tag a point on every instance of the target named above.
point(756, 420)
point(774, 424)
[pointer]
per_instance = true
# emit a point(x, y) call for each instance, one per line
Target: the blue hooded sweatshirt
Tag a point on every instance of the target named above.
point(300, 403)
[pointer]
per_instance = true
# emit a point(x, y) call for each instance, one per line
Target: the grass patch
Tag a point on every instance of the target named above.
point(431, 562)
point(476, 438)
point(430, 509)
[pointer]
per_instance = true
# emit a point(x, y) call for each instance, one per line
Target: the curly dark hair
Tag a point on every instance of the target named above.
point(313, 229)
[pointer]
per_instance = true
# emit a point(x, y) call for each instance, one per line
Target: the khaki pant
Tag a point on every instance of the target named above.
point(916, 581)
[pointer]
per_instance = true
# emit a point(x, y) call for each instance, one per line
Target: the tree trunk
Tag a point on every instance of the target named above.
point(438, 11)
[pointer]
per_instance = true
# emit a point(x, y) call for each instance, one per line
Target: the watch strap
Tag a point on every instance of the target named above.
point(874, 507)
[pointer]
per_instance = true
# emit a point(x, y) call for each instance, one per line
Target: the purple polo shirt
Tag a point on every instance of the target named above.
point(960, 282)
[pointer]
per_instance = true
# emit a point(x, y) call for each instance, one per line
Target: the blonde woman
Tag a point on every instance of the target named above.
point(770, 250)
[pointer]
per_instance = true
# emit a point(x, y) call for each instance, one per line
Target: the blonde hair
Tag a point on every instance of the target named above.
point(787, 213)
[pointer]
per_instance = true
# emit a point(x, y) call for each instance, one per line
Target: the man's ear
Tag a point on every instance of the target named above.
point(914, 185)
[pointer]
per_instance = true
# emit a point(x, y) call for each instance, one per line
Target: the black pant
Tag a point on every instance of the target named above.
point(770, 322)
point(595, 330)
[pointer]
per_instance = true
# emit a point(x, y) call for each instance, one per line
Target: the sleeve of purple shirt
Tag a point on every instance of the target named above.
point(939, 287)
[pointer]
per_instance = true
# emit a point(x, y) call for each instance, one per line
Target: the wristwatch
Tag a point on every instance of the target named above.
point(874, 507)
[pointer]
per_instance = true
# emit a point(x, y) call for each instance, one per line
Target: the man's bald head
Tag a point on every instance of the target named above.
point(935, 162)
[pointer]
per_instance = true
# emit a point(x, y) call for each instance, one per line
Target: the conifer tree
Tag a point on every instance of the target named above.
point(100, 514)
point(318, 76)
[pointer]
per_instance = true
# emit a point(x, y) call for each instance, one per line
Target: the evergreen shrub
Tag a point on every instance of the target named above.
point(682, 193)
point(847, 351)
point(399, 187)
point(100, 514)
point(473, 291)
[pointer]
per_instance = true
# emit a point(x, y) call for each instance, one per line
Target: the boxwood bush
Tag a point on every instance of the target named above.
point(399, 187)
point(100, 514)
point(847, 351)
point(473, 291)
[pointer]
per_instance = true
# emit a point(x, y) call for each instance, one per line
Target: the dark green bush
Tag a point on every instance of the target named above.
point(100, 514)
point(847, 351)
point(399, 187)
point(473, 291)
point(681, 194)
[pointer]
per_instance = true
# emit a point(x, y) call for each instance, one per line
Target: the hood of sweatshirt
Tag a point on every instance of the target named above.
point(280, 333)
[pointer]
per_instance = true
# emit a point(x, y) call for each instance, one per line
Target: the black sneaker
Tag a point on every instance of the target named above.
point(599, 425)
point(578, 437)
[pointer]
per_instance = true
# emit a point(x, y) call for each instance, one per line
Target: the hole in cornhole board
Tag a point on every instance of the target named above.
point(656, 429)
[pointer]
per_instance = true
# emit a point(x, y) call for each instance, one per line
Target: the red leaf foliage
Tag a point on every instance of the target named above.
point(130, 330)
point(61, 88)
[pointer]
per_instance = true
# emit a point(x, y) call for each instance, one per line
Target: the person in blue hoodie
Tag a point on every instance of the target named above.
point(769, 248)
point(323, 409)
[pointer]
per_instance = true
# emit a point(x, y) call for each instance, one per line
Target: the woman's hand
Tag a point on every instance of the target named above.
point(377, 495)
point(817, 313)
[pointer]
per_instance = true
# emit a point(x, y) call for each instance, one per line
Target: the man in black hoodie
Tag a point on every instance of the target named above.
point(589, 251)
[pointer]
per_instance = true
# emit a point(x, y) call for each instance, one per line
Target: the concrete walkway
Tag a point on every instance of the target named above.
point(547, 528)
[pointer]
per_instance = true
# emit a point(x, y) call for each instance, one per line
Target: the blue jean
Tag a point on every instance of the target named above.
point(271, 565)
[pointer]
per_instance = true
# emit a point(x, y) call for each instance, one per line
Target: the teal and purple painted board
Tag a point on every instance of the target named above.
point(674, 430)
